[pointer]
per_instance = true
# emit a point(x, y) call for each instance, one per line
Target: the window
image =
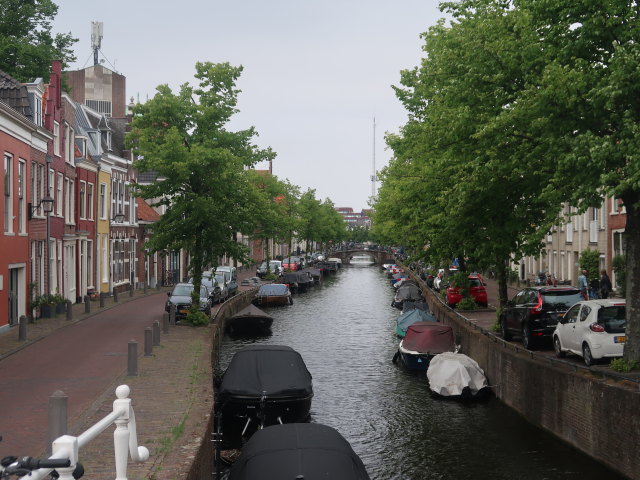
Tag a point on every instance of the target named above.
point(70, 140)
point(56, 138)
point(34, 183)
point(41, 181)
point(105, 258)
point(59, 197)
point(103, 201)
point(69, 207)
point(82, 200)
point(51, 183)
point(90, 201)
point(22, 214)
point(8, 193)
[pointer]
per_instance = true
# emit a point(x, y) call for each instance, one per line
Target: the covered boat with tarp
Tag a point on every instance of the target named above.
point(422, 342)
point(306, 451)
point(411, 317)
point(273, 294)
point(249, 320)
point(456, 375)
point(263, 385)
point(409, 305)
point(408, 292)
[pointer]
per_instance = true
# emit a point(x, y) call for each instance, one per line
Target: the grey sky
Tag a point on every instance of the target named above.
point(315, 73)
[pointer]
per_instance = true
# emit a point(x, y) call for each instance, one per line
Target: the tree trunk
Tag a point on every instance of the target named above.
point(632, 284)
point(503, 295)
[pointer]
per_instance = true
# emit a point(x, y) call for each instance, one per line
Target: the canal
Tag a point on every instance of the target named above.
point(344, 330)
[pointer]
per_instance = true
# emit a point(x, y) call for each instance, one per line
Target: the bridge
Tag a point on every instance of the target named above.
point(379, 257)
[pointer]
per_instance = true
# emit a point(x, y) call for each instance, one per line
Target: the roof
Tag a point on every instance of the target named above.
point(145, 212)
point(14, 94)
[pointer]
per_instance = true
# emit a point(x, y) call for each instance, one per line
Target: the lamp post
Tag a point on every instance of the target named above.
point(47, 206)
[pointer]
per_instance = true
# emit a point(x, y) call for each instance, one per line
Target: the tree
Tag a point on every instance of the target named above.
point(203, 182)
point(27, 46)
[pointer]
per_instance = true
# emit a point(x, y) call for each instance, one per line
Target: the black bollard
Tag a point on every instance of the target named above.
point(156, 333)
point(131, 290)
point(132, 363)
point(148, 342)
point(101, 299)
point(22, 331)
point(165, 322)
point(172, 315)
point(69, 310)
point(115, 295)
point(87, 304)
point(144, 287)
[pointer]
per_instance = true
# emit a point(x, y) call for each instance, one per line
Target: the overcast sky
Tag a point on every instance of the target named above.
point(316, 73)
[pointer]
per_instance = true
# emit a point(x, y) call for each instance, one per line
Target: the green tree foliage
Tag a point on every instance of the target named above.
point(27, 45)
point(203, 181)
point(590, 261)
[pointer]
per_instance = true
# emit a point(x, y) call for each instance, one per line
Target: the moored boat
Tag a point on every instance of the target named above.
point(263, 385)
point(456, 375)
point(310, 451)
point(407, 292)
point(422, 342)
point(273, 294)
point(249, 320)
point(411, 317)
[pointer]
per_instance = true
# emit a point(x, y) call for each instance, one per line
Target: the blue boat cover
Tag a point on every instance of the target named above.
point(411, 317)
point(273, 289)
point(298, 450)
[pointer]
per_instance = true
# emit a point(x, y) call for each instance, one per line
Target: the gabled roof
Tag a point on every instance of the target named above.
point(15, 94)
point(145, 213)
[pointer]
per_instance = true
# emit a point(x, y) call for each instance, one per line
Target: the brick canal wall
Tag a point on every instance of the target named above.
point(598, 416)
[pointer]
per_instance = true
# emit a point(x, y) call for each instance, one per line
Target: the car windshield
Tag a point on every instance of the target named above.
point(561, 299)
point(474, 282)
point(613, 318)
point(182, 290)
point(220, 277)
point(274, 265)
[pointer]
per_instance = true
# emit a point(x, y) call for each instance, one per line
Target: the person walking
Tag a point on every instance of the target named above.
point(605, 284)
point(582, 284)
point(594, 288)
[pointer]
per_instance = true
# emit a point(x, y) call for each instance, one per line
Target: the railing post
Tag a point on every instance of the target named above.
point(132, 364)
point(148, 342)
point(22, 329)
point(156, 333)
point(58, 415)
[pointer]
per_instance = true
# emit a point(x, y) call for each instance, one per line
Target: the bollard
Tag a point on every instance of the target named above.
point(87, 304)
point(131, 290)
point(144, 287)
point(22, 329)
point(165, 322)
point(69, 310)
point(157, 285)
point(156, 333)
point(148, 347)
point(132, 363)
point(101, 299)
point(115, 295)
point(58, 414)
point(172, 315)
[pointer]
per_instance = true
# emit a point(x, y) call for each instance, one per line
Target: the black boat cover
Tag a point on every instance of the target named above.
point(251, 311)
point(408, 292)
point(273, 290)
point(409, 305)
point(308, 451)
point(277, 371)
point(290, 277)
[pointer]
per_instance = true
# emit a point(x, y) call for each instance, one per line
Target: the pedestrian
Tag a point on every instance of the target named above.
point(582, 284)
point(605, 284)
point(594, 288)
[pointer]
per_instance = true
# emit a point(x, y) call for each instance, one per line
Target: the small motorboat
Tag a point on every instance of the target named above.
point(409, 305)
point(422, 342)
point(273, 294)
point(263, 385)
point(407, 292)
point(411, 317)
point(309, 451)
point(305, 280)
point(456, 375)
point(249, 320)
point(291, 280)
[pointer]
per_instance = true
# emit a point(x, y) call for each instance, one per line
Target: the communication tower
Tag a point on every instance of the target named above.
point(96, 39)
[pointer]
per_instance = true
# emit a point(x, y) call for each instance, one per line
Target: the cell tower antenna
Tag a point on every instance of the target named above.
point(374, 177)
point(96, 40)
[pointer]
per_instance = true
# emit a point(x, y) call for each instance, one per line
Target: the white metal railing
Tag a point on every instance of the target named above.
point(124, 438)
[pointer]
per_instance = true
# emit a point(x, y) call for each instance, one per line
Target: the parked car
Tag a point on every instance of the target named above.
point(291, 263)
point(593, 329)
point(209, 281)
point(232, 271)
point(221, 280)
point(232, 284)
point(275, 267)
point(180, 296)
point(476, 290)
point(534, 312)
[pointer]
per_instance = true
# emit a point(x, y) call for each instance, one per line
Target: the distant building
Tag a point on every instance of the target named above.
point(355, 219)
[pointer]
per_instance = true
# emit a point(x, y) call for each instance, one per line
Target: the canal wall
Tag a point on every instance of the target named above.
point(595, 414)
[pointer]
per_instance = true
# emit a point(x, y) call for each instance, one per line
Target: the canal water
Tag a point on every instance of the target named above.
point(344, 330)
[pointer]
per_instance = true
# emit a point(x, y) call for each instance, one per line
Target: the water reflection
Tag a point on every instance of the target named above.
point(344, 329)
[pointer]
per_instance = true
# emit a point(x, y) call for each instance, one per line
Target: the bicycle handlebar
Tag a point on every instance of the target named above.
point(36, 463)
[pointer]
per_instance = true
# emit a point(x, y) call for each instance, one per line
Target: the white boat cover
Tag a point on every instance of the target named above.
point(449, 373)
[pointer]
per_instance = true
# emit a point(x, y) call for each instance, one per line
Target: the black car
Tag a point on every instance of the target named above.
point(180, 296)
point(534, 312)
point(215, 291)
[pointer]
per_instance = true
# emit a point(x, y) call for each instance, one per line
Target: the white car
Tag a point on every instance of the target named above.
point(593, 329)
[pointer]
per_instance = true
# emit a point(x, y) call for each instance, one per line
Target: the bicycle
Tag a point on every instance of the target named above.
point(13, 466)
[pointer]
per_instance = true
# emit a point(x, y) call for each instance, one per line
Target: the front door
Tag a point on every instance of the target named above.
point(13, 297)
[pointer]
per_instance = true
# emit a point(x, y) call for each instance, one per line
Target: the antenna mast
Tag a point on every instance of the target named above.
point(96, 39)
point(374, 177)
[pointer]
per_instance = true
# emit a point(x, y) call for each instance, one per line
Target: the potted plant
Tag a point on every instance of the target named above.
point(60, 303)
point(46, 303)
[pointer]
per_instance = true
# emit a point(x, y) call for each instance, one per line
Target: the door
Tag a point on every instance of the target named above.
point(567, 329)
point(14, 314)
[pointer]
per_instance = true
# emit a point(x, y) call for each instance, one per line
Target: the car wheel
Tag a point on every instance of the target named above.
point(558, 348)
point(586, 355)
point(527, 341)
point(506, 335)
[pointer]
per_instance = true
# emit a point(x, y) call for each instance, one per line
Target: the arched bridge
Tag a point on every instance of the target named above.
point(379, 257)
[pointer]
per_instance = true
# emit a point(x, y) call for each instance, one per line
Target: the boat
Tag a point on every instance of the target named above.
point(273, 294)
point(316, 274)
point(407, 292)
point(457, 376)
point(309, 451)
point(361, 260)
point(411, 317)
point(305, 280)
point(336, 260)
point(422, 342)
point(330, 266)
point(291, 280)
point(409, 305)
point(263, 385)
point(249, 320)
point(396, 277)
